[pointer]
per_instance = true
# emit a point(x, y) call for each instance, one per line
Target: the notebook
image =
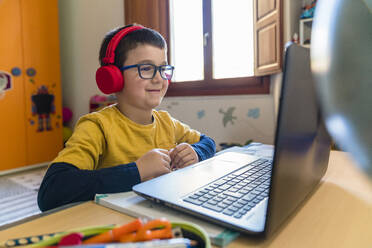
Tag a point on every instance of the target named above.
point(251, 194)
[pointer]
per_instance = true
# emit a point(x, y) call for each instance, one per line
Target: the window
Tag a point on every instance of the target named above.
point(213, 50)
point(231, 41)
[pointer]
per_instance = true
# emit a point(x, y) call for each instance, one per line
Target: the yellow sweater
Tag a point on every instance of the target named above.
point(108, 138)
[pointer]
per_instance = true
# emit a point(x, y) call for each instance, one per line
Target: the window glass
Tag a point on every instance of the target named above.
point(232, 26)
point(187, 40)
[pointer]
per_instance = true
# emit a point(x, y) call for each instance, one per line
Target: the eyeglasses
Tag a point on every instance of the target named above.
point(148, 71)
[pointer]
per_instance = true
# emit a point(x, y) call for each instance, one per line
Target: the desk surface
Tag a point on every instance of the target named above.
point(338, 214)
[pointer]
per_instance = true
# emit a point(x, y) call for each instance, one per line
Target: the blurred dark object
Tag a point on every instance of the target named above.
point(341, 60)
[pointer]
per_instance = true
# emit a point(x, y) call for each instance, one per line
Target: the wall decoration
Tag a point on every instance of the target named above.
point(31, 72)
point(227, 119)
point(43, 106)
point(253, 113)
point(16, 71)
point(5, 83)
point(228, 116)
point(201, 114)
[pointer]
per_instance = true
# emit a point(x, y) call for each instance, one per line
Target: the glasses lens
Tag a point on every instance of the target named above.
point(146, 71)
point(166, 72)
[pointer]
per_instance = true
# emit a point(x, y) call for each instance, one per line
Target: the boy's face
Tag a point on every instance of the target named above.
point(144, 94)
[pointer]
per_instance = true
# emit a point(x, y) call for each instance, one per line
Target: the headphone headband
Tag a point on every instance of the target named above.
point(110, 51)
point(109, 78)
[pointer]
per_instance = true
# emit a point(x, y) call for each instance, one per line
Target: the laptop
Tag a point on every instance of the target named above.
point(251, 194)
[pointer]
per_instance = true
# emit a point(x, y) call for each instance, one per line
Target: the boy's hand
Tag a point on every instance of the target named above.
point(153, 164)
point(183, 155)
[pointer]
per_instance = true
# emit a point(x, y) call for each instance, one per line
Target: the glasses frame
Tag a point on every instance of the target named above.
point(159, 68)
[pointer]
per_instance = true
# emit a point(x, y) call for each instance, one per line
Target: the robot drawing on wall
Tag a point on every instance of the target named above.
point(43, 106)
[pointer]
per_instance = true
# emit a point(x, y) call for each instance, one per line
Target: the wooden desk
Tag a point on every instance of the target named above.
point(338, 214)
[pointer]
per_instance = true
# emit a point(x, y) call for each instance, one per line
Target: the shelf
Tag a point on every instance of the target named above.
point(306, 20)
point(305, 31)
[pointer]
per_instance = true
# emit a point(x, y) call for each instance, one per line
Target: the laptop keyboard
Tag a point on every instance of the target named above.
point(236, 193)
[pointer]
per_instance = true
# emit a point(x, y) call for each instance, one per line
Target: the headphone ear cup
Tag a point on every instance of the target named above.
point(109, 79)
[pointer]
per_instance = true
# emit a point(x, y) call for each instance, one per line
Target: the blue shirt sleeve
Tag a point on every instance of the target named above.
point(205, 148)
point(64, 183)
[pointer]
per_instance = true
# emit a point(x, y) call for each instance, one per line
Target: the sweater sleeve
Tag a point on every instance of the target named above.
point(64, 183)
point(205, 148)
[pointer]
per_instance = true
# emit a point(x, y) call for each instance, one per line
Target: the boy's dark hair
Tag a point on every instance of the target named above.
point(130, 41)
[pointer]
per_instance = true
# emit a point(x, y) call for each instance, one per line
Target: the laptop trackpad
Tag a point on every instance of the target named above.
point(204, 173)
point(218, 167)
point(186, 180)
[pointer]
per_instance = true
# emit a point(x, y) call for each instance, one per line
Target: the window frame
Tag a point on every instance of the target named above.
point(155, 14)
point(231, 86)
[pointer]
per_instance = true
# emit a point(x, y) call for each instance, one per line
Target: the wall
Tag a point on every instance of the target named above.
point(291, 17)
point(229, 119)
point(83, 24)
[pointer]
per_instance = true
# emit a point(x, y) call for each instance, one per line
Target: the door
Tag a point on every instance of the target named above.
point(12, 104)
point(268, 36)
point(42, 80)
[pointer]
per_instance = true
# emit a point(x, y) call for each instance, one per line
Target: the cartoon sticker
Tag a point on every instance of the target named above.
point(201, 114)
point(253, 113)
point(31, 72)
point(16, 71)
point(43, 106)
point(228, 116)
point(5, 82)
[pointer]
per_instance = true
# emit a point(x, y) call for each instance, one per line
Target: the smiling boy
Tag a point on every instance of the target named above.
point(129, 142)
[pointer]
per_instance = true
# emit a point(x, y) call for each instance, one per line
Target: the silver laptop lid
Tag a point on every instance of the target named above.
point(300, 159)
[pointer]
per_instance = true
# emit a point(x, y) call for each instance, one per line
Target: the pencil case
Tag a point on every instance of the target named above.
point(189, 230)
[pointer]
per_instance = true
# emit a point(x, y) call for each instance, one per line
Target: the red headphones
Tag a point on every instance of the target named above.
point(109, 78)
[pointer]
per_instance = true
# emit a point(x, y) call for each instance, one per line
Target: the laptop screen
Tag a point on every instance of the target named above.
point(302, 144)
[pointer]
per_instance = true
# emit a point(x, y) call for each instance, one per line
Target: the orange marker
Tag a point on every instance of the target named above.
point(115, 233)
point(154, 229)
